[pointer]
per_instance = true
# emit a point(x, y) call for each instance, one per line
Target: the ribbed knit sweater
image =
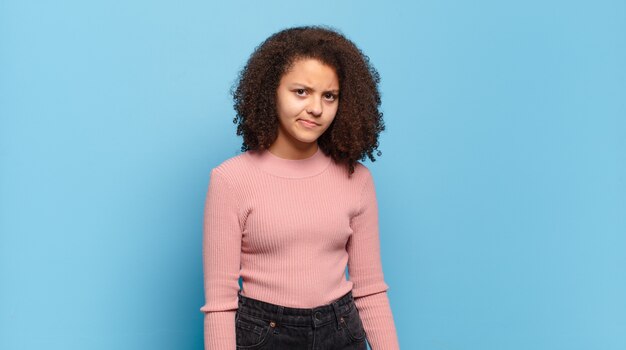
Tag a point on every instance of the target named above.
point(289, 228)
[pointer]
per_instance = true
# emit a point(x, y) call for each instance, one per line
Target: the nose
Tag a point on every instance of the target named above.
point(315, 107)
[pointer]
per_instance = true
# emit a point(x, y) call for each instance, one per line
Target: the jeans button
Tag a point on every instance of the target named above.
point(318, 315)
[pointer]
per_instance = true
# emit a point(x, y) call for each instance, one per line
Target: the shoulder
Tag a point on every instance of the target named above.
point(362, 173)
point(231, 167)
point(365, 178)
point(361, 176)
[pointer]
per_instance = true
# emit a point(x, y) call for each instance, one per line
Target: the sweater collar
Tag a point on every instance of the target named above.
point(289, 168)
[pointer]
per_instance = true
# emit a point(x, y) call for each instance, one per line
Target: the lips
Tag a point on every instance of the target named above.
point(309, 122)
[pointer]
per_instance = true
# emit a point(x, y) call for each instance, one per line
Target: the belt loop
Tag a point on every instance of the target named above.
point(335, 305)
point(279, 320)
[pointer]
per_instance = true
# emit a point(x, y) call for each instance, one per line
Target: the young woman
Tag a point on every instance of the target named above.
point(296, 207)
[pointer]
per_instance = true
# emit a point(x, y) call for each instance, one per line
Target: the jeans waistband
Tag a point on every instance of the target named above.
point(317, 316)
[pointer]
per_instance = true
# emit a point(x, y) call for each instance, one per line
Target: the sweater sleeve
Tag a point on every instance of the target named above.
point(221, 249)
point(366, 273)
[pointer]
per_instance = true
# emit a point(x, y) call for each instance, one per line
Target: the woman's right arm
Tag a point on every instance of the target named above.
point(221, 250)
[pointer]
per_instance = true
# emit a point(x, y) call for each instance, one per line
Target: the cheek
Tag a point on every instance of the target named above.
point(332, 111)
point(289, 107)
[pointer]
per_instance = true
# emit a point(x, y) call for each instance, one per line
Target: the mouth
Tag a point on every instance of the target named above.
point(308, 123)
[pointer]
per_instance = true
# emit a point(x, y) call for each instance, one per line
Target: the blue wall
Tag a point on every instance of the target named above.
point(502, 184)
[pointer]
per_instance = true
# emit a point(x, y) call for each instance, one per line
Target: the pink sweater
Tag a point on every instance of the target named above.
point(289, 228)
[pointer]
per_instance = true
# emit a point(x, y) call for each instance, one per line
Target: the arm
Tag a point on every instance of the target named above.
point(221, 249)
point(365, 269)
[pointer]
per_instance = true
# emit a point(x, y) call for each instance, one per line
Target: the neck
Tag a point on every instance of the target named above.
point(290, 151)
point(289, 168)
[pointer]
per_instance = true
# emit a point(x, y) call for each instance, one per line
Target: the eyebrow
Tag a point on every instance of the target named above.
point(335, 91)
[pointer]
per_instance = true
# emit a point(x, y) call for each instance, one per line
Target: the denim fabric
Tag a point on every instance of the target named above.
point(335, 326)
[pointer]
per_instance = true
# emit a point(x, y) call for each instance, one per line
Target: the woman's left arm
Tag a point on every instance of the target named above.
point(366, 273)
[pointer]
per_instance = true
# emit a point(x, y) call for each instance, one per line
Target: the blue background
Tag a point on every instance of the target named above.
point(501, 186)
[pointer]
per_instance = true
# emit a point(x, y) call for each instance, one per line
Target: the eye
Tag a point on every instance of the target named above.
point(300, 92)
point(330, 97)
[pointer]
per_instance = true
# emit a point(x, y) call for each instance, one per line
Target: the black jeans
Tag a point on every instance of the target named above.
point(335, 326)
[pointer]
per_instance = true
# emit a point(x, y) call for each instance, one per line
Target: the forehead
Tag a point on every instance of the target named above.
point(311, 71)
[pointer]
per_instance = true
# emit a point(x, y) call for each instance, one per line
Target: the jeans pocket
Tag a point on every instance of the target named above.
point(352, 324)
point(251, 332)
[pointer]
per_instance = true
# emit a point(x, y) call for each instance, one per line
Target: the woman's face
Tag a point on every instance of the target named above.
point(306, 100)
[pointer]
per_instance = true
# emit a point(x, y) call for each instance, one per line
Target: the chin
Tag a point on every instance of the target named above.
point(307, 139)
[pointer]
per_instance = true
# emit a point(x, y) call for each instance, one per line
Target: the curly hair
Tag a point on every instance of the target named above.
point(354, 132)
